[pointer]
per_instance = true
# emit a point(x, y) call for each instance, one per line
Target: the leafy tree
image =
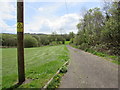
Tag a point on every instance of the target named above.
point(37, 37)
point(99, 30)
point(111, 33)
point(30, 41)
point(9, 40)
point(44, 40)
point(71, 36)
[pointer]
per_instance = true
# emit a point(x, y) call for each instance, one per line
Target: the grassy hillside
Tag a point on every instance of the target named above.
point(40, 65)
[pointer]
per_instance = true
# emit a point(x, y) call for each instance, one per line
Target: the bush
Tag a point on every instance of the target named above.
point(9, 40)
point(84, 46)
point(44, 40)
point(63, 69)
point(55, 82)
point(37, 37)
point(30, 41)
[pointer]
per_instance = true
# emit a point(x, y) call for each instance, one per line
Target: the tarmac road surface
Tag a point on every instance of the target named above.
point(89, 71)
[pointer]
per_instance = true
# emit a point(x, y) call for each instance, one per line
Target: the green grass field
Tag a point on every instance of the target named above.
point(40, 65)
point(0, 69)
point(67, 42)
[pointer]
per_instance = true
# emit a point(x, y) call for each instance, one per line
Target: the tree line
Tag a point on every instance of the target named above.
point(99, 29)
point(35, 40)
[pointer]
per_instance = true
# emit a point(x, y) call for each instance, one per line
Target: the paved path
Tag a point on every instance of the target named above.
point(89, 71)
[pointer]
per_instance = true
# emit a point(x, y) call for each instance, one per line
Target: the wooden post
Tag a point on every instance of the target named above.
point(20, 39)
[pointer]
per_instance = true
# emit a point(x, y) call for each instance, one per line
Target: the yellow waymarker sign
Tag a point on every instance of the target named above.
point(19, 27)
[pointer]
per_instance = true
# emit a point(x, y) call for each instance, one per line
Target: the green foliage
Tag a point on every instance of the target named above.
point(0, 39)
point(96, 53)
point(67, 42)
point(98, 31)
point(37, 37)
point(30, 41)
point(111, 36)
point(63, 69)
point(44, 40)
point(55, 82)
point(34, 40)
point(71, 35)
point(115, 59)
point(9, 40)
point(56, 79)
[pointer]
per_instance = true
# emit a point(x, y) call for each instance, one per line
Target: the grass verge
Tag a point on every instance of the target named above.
point(57, 78)
point(111, 58)
point(67, 42)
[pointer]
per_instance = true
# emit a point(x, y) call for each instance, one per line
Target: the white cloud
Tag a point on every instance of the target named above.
point(6, 28)
point(39, 23)
point(59, 0)
point(41, 9)
point(48, 10)
point(66, 22)
point(7, 12)
point(47, 22)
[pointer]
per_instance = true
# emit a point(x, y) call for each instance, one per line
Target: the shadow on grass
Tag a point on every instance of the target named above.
point(13, 87)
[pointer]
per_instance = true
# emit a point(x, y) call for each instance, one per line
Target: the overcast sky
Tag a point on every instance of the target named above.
point(45, 17)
